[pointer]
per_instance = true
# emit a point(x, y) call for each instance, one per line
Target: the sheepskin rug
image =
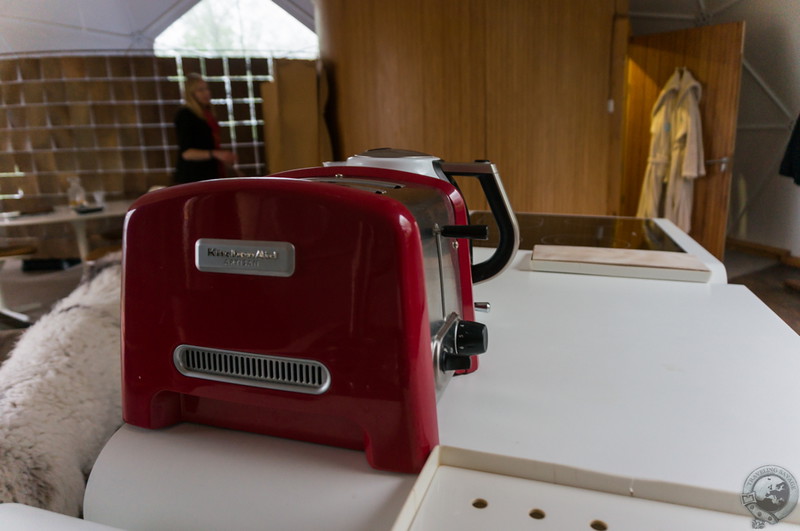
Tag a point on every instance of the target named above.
point(60, 395)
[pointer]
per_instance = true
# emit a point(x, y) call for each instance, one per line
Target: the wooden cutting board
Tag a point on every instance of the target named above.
point(632, 263)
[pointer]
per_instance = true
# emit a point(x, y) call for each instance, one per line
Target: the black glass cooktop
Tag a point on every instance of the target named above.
point(584, 231)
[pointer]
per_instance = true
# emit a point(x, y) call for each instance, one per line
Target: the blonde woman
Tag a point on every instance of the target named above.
point(199, 154)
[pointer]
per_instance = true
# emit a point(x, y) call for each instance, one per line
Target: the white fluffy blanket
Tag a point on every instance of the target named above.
point(60, 396)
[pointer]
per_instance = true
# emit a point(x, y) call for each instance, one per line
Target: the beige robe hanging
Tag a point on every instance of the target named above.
point(676, 152)
point(688, 159)
point(660, 151)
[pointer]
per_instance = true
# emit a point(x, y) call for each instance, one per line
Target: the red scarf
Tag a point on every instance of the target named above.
point(215, 132)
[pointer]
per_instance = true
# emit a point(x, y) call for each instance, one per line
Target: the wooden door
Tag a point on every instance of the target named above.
point(713, 54)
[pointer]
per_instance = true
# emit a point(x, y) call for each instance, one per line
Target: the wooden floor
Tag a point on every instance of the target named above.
point(769, 286)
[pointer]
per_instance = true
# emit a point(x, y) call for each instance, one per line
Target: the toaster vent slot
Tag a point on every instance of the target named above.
point(257, 370)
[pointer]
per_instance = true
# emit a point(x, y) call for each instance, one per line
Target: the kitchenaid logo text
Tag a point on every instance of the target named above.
point(245, 257)
point(233, 257)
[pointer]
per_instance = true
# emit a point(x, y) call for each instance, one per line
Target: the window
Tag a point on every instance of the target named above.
point(238, 27)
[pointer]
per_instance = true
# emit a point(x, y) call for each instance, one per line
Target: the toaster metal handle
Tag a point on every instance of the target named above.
point(492, 187)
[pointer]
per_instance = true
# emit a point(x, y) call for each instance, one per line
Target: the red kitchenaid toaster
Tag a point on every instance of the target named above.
point(329, 304)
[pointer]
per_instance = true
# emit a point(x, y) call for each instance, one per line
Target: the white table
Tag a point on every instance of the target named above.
point(63, 214)
point(717, 268)
point(679, 382)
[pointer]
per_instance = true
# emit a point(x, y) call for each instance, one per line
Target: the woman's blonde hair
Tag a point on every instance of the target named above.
point(192, 80)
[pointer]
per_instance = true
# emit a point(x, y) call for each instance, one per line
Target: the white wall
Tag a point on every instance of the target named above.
point(769, 105)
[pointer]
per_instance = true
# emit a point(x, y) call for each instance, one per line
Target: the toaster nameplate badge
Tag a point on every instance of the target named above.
point(244, 257)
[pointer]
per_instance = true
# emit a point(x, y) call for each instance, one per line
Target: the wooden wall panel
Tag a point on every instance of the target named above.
point(522, 83)
point(409, 75)
point(713, 54)
point(403, 73)
point(375, 110)
point(548, 85)
point(455, 105)
point(618, 91)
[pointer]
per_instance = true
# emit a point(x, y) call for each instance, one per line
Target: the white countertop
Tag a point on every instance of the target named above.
point(678, 382)
point(718, 273)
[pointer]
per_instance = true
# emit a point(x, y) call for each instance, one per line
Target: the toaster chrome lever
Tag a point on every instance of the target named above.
point(472, 232)
point(483, 306)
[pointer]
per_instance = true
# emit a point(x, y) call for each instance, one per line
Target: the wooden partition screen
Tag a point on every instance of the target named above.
point(108, 119)
point(295, 133)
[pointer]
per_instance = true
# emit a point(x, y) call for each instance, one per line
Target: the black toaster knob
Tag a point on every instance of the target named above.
point(467, 339)
point(471, 338)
